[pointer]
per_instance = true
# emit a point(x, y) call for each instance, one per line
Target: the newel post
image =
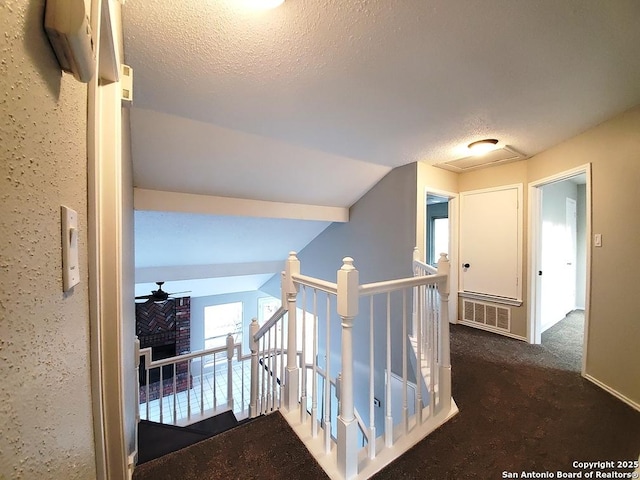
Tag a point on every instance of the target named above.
point(253, 345)
point(292, 374)
point(230, 346)
point(444, 267)
point(348, 297)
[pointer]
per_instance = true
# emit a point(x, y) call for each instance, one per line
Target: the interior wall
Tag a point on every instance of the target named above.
point(380, 237)
point(45, 400)
point(613, 149)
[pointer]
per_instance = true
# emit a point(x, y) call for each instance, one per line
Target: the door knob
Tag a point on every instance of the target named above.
point(465, 265)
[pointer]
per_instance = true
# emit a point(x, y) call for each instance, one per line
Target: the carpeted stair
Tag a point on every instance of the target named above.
point(157, 439)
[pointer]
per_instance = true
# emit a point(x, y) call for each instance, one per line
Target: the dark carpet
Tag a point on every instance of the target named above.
point(522, 408)
point(157, 439)
point(262, 448)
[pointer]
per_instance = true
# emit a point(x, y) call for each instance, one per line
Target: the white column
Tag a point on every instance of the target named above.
point(348, 296)
point(292, 375)
point(253, 345)
point(444, 267)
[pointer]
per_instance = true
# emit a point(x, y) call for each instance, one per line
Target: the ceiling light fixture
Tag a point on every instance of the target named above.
point(483, 146)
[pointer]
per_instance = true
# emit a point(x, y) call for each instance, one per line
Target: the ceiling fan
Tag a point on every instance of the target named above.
point(158, 295)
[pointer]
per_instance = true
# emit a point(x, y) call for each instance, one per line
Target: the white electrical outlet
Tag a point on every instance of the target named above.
point(70, 264)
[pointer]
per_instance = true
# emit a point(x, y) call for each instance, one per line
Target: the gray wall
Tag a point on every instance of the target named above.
point(380, 236)
point(46, 431)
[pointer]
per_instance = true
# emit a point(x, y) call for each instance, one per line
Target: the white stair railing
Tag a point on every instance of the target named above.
point(168, 402)
point(414, 306)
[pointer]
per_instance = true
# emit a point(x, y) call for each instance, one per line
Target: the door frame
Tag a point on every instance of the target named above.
point(454, 205)
point(104, 146)
point(534, 222)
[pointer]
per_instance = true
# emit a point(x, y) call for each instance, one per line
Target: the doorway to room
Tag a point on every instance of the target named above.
point(441, 236)
point(560, 233)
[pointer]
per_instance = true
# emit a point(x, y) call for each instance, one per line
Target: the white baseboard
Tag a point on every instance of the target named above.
point(482, 326)
point(613, 392)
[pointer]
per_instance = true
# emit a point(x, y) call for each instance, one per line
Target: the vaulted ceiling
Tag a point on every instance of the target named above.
point(313, 102)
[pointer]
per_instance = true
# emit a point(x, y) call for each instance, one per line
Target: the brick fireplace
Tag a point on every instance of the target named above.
point(166, 328)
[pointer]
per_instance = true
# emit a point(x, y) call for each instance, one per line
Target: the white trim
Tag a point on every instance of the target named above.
point(490, 298)
point(160, 201)
point(535, 204)
point(615, 393)
point(489, 328)
point(192, 272)
point(93, 243)
point(104, 259)
point(454, 218)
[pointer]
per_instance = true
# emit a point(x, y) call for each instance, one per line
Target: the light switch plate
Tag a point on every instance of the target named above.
point(597, 239)
point(70, 265)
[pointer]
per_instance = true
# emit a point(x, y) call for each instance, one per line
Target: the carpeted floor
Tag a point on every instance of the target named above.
point(522, 408)
point(265, 448)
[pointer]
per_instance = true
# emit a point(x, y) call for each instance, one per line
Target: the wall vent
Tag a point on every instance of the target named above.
point(487, 314)
point(495, 157)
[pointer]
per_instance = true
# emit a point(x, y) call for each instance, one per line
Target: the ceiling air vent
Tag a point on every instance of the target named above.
point(494, 157)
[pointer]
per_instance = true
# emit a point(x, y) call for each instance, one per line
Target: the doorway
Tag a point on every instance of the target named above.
point(559, 259)
point(441, 236)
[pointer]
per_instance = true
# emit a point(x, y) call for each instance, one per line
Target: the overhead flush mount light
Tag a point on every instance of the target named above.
point(483, 146)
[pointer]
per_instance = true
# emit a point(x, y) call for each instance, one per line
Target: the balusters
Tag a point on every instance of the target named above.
point(327, 381)
point(372, 413)
point(388, 426)
point(282, 386)
point(405, 407)
point(230, 344)
point(189, 387)
point(201, 385)
point(175, 397)
point(303, 360)
point(314, 370)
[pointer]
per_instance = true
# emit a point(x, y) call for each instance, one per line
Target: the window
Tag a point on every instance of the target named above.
point(221, 320)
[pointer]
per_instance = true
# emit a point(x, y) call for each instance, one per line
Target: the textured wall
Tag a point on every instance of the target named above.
point(45, 402)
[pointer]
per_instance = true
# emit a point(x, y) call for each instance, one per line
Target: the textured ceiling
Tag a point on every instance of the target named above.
point(316, 100)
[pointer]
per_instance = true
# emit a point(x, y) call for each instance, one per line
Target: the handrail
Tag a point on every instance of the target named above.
point(278, 314)
point(322, 285)
point(425, 266)
point(361, 424)
point(392, 285)
point(146, 352)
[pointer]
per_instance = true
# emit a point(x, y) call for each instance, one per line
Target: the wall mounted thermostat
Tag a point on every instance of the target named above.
point(70, 264)
point(69, 29)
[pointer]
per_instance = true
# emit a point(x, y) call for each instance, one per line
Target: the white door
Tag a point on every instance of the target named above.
point(558, 265)
point(489, 242)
